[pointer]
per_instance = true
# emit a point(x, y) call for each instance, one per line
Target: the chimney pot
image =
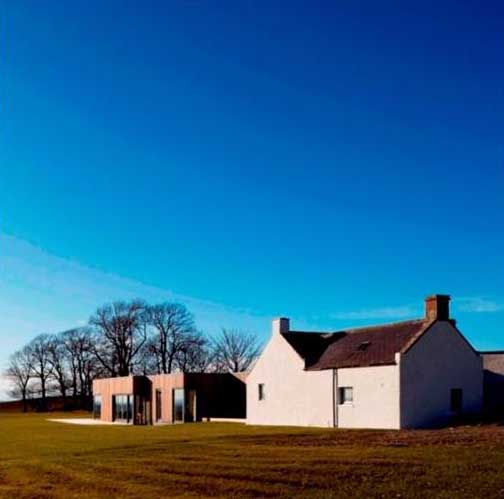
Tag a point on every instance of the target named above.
point(437, 307)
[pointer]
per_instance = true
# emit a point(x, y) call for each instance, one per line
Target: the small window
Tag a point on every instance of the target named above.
point(363, 346)
point(261, 392)
point(159, 410)
point(178, 405)
point(97, 406)
point(346, 395)
point(456, 399)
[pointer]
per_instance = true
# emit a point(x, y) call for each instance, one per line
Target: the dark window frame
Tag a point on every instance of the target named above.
point(345, 395)
point(261, 392)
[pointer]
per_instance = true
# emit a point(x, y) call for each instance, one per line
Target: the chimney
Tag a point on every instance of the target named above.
point(280, 325)
point(437, 307)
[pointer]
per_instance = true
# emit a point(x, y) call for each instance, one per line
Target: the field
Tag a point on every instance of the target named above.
point(41, 459)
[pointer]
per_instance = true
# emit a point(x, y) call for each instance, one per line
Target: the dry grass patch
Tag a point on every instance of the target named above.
point(42, 459)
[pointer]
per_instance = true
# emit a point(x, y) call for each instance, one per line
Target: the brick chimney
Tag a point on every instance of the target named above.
point(280, 325)
point(437, 307)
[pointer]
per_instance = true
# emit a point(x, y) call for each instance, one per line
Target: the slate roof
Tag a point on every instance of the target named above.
point(367, 346)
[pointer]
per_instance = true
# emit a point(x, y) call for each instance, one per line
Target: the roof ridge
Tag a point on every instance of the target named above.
point(381, 326)
point(354, 330)
point(345, 348)
point(307, 332)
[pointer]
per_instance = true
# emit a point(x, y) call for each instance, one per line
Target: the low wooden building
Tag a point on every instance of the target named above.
point(170, 398)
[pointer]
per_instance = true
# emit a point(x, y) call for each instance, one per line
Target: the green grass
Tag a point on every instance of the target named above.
point(41, 459)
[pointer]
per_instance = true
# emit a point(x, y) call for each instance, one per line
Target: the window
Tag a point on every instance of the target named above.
point(97, 406)
point(178, 405)
point(346, 395)
point(158, 405)
point(363, 346)
point(261, 392)
point(121, 408)
point(456, 399)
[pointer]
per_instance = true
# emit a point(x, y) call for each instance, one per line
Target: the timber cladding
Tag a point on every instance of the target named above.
point(108, 387)
point(205, 395)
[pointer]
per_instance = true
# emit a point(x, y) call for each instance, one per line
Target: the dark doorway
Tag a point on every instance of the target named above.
point(190, 413)
point(456, 401)
point(142, 410)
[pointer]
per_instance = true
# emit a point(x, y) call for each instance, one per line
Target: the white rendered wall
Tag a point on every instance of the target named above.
point(439, 361)
point(375, 397)
point(293, 396)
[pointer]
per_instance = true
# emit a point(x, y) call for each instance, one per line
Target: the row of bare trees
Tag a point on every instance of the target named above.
point(60, 363)
point(124, 338)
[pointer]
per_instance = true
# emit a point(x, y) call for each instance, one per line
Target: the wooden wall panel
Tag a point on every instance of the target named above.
point(108, 387)
point(166, 383)
point(217, 395)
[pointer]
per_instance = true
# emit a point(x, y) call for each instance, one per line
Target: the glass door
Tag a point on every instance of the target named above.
point(178, 405)
point(142, 410)
point(121, 408)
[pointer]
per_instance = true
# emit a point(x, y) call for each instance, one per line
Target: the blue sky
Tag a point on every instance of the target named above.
point(333, 162)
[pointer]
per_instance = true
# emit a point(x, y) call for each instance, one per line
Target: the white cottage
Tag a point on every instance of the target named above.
point(409, 374)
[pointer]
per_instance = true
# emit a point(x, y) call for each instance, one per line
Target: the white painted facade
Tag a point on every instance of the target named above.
point(440, 361)
point(414, 392)
point(375, 397)
point(292, 396)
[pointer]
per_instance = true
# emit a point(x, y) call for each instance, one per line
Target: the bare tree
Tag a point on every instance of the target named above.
point(19, 372)
point(234, 350)
point(91, 368)
point(173, 331)
point(123, 338)
point(120, 333)
point(58, 361)
point(39, 349)
point(72, 341)
point(148, 360)
point(195, 355)
point(82, 363)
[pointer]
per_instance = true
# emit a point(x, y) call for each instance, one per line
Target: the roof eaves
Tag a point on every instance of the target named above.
point(353, 366)
point(368, 329)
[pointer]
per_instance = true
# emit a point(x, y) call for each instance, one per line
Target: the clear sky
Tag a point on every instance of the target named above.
point(333, 162)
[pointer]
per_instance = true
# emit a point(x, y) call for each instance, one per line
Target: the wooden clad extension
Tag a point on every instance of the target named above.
point(150, 399)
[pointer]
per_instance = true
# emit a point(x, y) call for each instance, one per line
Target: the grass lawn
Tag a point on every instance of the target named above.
point(40, 459)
